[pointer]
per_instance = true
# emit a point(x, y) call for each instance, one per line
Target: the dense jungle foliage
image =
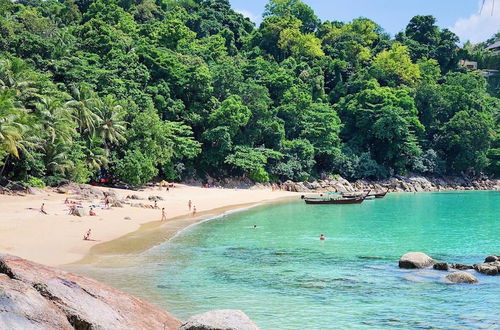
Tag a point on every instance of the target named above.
point(145, 89)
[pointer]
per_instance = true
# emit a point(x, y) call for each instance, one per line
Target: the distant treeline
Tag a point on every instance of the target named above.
point(139, 89)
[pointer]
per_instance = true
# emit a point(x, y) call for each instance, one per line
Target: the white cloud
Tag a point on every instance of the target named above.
point(481, 25)
point(248, 14)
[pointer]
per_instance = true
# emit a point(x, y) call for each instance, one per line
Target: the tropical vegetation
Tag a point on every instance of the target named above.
point(144, 89)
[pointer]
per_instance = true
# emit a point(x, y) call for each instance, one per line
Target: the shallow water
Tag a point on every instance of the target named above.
point(283, 277)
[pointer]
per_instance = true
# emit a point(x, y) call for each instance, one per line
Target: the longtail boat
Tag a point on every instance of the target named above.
point(380, 195)
point(339, 200)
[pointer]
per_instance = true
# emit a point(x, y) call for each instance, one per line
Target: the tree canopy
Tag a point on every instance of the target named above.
point(182, 89)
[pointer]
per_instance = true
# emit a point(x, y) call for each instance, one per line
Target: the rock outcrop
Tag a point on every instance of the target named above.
point(488, 268)
point(395, 184)
point(53, 299)
point(83, 190)
point(415, 260)
point(461, 277)
point(22, 307)
point(220, 320)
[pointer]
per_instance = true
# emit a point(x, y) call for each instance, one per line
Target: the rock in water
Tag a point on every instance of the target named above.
point(488, 268)
point(85, 303)
point(415, 260)
point(461, 277)
point(220, 320)
point(461, 266)
point(441, 266)
point(22, 307)
point(491, 258)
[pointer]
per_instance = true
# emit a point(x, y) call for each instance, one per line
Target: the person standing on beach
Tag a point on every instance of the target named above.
point(42, 209)
point(189, 205)
point(194, 211)
point(163, 214)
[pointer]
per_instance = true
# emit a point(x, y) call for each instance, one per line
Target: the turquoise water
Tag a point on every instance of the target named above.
point(283, 277)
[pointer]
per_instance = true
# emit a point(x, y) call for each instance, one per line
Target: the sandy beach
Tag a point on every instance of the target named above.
point(56, 239)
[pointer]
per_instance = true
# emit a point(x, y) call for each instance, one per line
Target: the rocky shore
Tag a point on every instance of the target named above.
point(33, 296)
point(412, 183)
point(396, 184)
point(458, 273)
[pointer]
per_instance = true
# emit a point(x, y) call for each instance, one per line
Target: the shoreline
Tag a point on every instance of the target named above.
point(154, 233)
point(56, 239)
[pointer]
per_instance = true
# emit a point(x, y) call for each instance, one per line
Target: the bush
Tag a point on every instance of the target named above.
point(135, 168)
point(34, 182)
point(259, 175)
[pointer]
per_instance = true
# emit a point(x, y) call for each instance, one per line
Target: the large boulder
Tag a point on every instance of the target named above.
point(415, 260)
point(84, 190)
point(85, 303)
point(22, 307)
point(220, 320)
point(488, 268)
point(461, 277)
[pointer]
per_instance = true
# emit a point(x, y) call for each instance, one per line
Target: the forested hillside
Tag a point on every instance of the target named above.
point(181, 89)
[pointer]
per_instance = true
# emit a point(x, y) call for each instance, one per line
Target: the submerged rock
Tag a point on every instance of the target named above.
point(441, 266)
point(461, 277)
point(220, 320)
point(415, 260)
point(84, 303)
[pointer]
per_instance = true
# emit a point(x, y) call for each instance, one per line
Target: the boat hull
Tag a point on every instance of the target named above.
point(335, 201)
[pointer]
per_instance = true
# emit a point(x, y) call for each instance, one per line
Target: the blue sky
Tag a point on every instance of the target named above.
point(461, 16)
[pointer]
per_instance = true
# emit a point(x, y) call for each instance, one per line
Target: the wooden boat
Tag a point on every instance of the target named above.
point(340, 200)
point(380, 195)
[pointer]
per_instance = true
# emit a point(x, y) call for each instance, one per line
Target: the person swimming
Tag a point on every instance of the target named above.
point(254, 226)
point(322, 237)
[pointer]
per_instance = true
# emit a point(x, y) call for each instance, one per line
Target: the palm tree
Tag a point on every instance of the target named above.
point(15, 74)
point(56, 119)
point(57, 158)
point(95, 156)
point(83, 104)
point(111, 127)
point(11, 128)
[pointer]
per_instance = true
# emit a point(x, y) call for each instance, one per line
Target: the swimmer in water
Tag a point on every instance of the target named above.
point(254, 226)
point(322, 237)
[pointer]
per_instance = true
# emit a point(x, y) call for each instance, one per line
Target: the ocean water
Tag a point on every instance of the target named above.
point(284, 277)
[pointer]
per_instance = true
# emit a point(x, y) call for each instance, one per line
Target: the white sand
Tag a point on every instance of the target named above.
point(57, 238)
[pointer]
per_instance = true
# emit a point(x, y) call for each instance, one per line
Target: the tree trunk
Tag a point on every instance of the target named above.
point(4, 164)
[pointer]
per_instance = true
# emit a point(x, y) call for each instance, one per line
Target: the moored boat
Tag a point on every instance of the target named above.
point(380, 194)
point(339, 200)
